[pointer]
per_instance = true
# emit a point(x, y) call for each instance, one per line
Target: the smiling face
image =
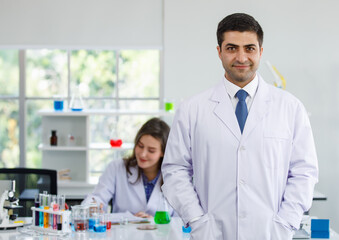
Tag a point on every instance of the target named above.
point(148, 153)
point(240, 55)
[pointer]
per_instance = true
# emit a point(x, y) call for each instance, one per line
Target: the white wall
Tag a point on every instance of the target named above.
point(81, 23)
point(301, 39)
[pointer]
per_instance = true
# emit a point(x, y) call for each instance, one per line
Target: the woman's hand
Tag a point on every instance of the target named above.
point(101, 206)
point(143, 215)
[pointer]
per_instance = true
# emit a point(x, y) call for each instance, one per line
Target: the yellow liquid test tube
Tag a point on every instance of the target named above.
point(46, 207)
point(46, 218)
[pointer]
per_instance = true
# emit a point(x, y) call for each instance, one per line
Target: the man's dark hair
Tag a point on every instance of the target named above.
point(240, 22)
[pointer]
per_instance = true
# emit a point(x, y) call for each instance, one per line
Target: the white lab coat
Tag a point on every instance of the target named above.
point(247, 187)
point(127, 194)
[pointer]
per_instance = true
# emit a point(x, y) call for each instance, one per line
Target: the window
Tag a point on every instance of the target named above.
point(107, 79)
point(9, 108)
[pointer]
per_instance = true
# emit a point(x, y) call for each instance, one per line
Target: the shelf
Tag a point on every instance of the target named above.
point(75, 190)
point(317, 196)
point(107, 146)
point(74, 184)
point(61, 148)
point(77, 158)
point(88, 112)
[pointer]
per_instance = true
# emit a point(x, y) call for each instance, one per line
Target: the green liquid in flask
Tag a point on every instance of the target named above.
point(161, 217)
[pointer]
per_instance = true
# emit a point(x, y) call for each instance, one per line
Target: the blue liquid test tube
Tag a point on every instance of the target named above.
point(41, 214)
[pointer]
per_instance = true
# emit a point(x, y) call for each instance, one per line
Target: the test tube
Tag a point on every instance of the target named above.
point(37, 205)
point(46, 207)
point(50, 204)
point(63, 199)
point(61, 202)
point(41, 214)
point(55, 207)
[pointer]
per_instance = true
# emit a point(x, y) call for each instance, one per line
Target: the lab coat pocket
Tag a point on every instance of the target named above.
point(205, 228)
point(279, 231)
point(277, 149)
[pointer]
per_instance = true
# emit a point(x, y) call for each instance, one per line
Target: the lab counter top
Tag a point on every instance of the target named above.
point(172, 231)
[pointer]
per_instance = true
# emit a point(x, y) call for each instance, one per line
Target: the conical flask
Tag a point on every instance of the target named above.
point(162, 215)
point(76, 103)
point(114, 140)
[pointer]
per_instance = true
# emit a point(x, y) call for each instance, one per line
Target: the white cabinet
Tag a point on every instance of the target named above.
point(76, 157)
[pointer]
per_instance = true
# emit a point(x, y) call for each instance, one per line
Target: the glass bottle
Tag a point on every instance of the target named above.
point(76, 103)
point(71, 140)
point(161, 215)
point(54, 138)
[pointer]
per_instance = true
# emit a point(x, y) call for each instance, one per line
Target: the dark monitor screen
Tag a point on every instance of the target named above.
point(28, 184)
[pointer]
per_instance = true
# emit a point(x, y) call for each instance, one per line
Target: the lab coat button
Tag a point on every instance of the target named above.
point(242, 215)
point(242, 182)
point(242, 148)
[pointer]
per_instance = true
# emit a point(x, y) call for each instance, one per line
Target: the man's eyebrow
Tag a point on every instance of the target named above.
point(235, 45)
point(231, 45)
point(250, 45)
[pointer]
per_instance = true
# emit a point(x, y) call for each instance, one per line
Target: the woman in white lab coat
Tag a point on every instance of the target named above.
point(134, 183)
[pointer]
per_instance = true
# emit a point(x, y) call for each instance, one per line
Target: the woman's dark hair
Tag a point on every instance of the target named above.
point(240, 22)
point(156, 128)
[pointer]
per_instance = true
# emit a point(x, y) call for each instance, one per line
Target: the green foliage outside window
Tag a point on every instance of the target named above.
point(9, 120)
point(94, 71)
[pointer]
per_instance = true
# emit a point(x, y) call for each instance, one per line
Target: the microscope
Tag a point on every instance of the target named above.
point(7, 203)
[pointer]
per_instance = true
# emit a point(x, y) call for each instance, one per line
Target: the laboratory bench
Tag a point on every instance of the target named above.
point(172, 231)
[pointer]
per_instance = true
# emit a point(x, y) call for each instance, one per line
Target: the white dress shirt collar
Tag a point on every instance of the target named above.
point(250, 88)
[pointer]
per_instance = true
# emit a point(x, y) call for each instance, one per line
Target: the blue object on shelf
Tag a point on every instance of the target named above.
point(58, 105)
point(76, 109)
point(320, 225)
point(186, 230)
point(320, 234)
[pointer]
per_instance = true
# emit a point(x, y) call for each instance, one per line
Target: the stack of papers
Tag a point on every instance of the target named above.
point(117, 218)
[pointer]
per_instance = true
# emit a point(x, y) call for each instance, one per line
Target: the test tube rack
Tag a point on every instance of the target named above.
point(65, 216)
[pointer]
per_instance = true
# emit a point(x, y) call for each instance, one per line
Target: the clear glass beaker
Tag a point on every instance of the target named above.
point(76, 103)
point(58, 103)
point(80, 218)
point(93, 215)
point(100, 223)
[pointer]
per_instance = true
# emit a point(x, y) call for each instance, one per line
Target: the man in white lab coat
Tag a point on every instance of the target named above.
point(241, 166)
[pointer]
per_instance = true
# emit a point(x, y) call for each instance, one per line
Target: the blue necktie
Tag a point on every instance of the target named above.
point(241, 110)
